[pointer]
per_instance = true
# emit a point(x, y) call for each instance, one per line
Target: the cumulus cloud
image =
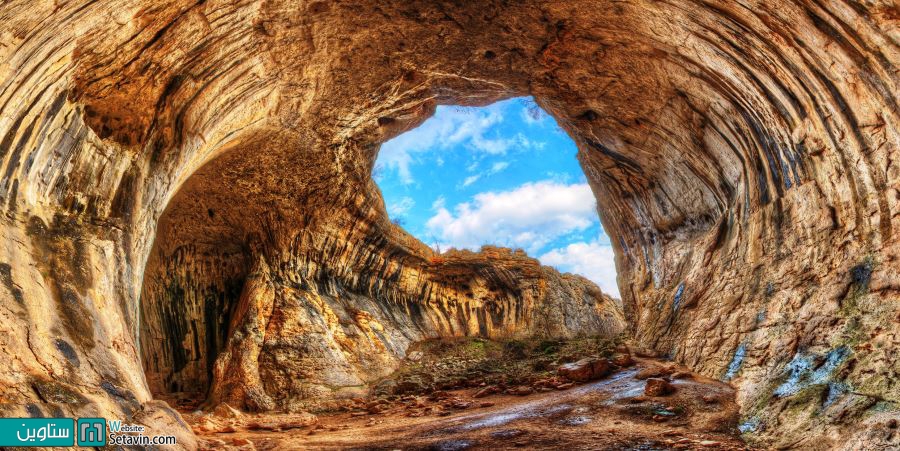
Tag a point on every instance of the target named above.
point(593, 260)
point(401, 206)
point(529, 216)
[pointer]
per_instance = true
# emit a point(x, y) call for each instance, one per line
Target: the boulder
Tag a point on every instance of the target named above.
point(623, 360)
point(585, 369)
point(486, 391)
point(409, 385)
point(522, 390)
point(223, 410)
point(658, 387)
point(655, 371)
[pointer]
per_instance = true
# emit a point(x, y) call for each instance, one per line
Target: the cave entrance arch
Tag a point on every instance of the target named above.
point(193, 280)
point(503, 174)
point(281, 219)
point(233, 212)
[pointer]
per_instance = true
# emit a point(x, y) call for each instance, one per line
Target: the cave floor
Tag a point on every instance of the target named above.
point(609, 414)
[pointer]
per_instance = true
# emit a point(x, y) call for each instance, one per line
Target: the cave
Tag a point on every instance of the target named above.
point(205, 249)
point(322, 310)
point(192, 284)
point(203, 169)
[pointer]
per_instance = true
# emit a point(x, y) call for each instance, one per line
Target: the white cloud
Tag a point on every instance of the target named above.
point(401, 207)
point(495, 168)
point(529, 216)
point(493, 146)
point(592, 260)
point(449, 127)
point(470, 180)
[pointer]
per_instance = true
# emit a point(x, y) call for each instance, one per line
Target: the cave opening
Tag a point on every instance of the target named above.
point(193, 280)
point(503, 174)
point(264, 274)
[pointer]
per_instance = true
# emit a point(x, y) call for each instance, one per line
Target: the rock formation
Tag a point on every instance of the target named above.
point(211, 160)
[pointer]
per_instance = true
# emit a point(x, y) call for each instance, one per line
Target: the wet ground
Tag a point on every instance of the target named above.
point(609, 414)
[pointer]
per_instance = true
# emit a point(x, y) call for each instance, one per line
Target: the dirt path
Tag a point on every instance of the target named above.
point(610, 414)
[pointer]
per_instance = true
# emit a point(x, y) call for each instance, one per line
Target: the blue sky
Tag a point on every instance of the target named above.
point(504, 174)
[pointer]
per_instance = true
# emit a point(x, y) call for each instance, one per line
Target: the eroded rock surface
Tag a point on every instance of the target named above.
point(300, 341)
point(743, 155)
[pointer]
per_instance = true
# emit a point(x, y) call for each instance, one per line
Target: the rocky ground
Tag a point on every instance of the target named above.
point(480, 394)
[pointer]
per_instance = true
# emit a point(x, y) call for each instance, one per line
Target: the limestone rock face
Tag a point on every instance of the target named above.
point(186, 188)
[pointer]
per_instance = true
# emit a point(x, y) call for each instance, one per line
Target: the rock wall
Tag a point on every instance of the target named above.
point(743, 155)
point(317, 301)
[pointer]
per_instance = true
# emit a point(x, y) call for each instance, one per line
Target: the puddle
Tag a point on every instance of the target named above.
point(612, 384)
point(575, 421)
point(494, 420)
point(624, 386)
point(562, 408)
point(529, 410)
point(507, 433)
point(618, 386)
point(646, 446)
point(451, 445)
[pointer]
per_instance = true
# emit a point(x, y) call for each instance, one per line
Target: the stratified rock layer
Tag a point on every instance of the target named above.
point(743, 155)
